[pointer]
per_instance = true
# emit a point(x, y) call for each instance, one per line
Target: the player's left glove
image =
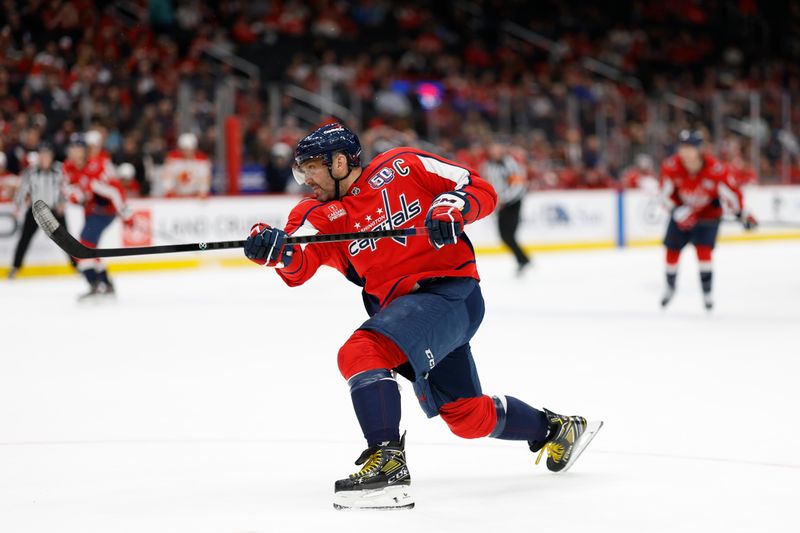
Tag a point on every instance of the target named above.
point(445, 218)
point(747, 219)
point(267, 246)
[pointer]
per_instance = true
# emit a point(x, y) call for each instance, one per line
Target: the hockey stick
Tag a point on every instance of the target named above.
point(47, 221)
point(761, 223)
point(770, 223)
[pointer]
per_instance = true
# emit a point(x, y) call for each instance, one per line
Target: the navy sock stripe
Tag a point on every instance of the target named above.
point(501, 417)
point(522, 422)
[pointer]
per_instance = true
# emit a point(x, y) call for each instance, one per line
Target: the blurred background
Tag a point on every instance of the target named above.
point(577, 90)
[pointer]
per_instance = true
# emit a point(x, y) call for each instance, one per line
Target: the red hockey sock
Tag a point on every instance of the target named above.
point(704, 256)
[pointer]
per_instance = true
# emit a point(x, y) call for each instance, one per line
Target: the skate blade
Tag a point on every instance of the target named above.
point(386, 499)
point(592, 428)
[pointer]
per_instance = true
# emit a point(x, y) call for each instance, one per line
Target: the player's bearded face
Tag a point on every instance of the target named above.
point(317, 176)
point(690, 157)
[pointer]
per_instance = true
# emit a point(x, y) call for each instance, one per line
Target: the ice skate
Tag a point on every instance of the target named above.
point(92, 295)
point(382, 483)
point(568, 437)
point(669, 292)
point(107, 289)
point(708, 301)
point(522, 268)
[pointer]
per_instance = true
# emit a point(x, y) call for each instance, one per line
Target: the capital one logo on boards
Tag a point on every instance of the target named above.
point(140, 231)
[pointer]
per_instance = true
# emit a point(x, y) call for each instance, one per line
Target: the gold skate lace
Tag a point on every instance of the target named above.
point(372, 464)
point(554, 450)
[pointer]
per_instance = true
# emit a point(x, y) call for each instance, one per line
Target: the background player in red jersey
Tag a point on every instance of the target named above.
point(423, 299)
point(695, 187)
point(103, 198)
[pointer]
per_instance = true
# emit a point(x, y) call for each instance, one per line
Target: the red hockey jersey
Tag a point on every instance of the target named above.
point(97, 190)
point(394, 191)
point(705, 192)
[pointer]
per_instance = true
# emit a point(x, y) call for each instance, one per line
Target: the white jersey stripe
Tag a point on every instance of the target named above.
point(458, 175)
point(730, 197)
point(110, 192)
point(306, 229)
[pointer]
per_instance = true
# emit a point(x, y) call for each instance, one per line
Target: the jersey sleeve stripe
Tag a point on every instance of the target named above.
point(305, 217)
point(456, 174)
point(477, 203)
point(729, 196)
point(110, 192)
point(298, 269)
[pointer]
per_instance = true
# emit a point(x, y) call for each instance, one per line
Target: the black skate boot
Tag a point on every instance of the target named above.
point(567, 438)
point(107, 289)
point(92, 295)
point(382, 483)
point(669, 292)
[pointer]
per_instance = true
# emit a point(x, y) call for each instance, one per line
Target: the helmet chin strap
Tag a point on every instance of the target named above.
point(337, 195)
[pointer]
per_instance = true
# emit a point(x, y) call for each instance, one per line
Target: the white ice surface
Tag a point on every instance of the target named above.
point(210, 401)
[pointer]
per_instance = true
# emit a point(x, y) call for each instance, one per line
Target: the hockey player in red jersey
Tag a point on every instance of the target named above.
point(103, 198)
point(423, 299)
point(695, 188)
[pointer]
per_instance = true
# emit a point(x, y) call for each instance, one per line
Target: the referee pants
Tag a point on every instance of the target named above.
point(508, 221)
point(29, 228)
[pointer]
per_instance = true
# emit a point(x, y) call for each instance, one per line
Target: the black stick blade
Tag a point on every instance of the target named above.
point(47, 221)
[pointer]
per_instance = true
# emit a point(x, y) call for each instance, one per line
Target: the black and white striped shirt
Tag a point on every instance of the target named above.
point(42, 184)
point(499, 174)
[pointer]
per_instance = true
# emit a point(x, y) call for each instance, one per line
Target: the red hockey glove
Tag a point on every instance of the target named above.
point(267, 246)
point(748, 221)
point(685, 217)
point(75, 195)
point(445, 219)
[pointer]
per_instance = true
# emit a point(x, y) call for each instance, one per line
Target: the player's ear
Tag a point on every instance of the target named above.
point(341, 162)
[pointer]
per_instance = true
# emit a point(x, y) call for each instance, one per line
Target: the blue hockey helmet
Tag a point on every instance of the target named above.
point(691, 137)
point(323, 143)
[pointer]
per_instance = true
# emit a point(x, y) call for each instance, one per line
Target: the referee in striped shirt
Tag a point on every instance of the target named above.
point(508, 179)
point(44, 181)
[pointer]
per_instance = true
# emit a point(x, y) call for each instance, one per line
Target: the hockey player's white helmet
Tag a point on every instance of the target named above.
point(93, 138)
point(187, 141)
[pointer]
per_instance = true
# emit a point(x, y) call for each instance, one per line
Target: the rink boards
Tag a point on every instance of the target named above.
point(551, 220)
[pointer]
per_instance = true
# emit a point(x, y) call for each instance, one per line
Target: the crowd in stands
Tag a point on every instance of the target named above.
point(578, 91)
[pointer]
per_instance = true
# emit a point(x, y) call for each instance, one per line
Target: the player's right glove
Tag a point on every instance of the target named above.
point(445, 219)
point(267, 246)
point(747, 219)
point(685, 217)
